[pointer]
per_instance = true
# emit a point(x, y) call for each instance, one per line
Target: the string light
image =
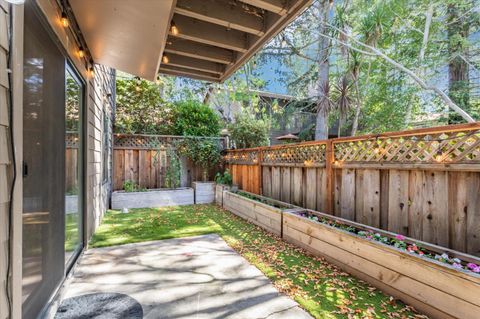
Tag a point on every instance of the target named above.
point(91, 71)
point(284, 41)
point(165, 59)
point(173, 28)
point(439, 156)
point(81, 52)
point(64, 20)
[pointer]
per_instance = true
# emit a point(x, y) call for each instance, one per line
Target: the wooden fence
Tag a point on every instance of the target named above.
point(421, 183)
point(144, 159)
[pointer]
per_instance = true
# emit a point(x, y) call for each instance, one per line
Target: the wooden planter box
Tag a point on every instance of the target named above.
point(153, 198)
point(204, 192)
point(434, 288)
point(219, 189)
point(261, 214)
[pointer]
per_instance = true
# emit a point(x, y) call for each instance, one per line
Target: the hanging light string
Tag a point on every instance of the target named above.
point(68, 21)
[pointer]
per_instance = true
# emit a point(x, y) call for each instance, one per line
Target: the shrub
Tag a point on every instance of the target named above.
point(225, 178)
point(192, 118)
point(202, 152)
point(248, 131)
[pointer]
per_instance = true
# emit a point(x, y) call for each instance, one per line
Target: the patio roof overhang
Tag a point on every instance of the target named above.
point(215, 37)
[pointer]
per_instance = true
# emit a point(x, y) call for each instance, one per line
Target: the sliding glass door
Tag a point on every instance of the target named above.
point(52, 169)
point(73, 165)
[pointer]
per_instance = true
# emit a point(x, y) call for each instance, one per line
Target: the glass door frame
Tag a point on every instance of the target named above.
point(71, 69)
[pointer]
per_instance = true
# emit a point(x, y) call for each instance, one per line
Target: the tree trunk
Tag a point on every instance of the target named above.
point(321, 123)
point(458, 77)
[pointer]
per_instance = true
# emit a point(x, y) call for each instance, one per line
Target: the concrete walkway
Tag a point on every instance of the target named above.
point(195, 277)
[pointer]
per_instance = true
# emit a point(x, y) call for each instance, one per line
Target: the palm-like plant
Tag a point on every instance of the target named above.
point(343, 99)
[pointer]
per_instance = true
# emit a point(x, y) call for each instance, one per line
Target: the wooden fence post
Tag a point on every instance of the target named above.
point(329, 159)
point(260, 172)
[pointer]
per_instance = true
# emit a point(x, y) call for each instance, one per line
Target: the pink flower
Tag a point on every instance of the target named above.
point(421, 253)
point(400, 237)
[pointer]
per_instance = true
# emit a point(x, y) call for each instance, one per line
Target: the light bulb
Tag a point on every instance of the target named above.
point(81, 52)
point(165, 59)
point(64, 20)
point(173, 28)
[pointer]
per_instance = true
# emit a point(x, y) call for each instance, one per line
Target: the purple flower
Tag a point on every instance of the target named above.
point(457, 265)
point(472, 266)
point(476, 269)
point(400, 237)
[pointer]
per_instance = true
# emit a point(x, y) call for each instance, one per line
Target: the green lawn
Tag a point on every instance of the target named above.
point(319, 287)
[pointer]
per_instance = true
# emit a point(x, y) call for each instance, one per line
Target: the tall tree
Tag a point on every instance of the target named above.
point(323, 81)
point(458, 73)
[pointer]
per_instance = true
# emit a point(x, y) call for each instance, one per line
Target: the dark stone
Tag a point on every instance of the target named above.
point(100, 306)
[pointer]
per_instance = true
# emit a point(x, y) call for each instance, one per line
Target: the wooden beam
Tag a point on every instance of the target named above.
point(194, 64)
point(277, 6)
point(199, 51)
point(179, 71)
point(230, 15)
point(211, 34)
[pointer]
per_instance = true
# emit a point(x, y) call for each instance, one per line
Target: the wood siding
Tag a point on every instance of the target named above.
point(5, 157)
point(101, 93)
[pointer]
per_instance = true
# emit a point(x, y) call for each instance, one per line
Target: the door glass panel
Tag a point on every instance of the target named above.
point(73, 167)
point(43, 171)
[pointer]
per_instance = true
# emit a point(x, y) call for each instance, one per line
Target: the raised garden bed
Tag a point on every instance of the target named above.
point(219, 189)
point(204, 192)
point(153, 198)
point(260, 210)
point(437, 281)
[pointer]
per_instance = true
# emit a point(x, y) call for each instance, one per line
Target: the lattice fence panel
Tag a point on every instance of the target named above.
point(311, 154)
point(71, 139)
point(243, 157)
point(448, 147)
point(133, 141)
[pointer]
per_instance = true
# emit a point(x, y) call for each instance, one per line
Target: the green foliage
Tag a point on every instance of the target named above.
point(224, 178)
point(248, 131)
point(140, 108)
point(130, 186)
point(173, 172)
point(202, 152)
point(192, 118)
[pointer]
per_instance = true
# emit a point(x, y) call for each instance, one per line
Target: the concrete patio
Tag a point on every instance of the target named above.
point(194, 277)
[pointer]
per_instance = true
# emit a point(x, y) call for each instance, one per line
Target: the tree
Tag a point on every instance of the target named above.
point(140, 108)
point(247, 131)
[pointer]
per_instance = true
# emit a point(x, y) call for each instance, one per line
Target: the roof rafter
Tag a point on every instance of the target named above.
point(179, 71)
point(195, 64)
point(211, 34)
point(277, 6)
point(229, 15)
point(199, 51)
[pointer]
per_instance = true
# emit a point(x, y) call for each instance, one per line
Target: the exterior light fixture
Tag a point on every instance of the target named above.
point(64, 20)
point(81, 52)
point(173, 28)
point(165, 59)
